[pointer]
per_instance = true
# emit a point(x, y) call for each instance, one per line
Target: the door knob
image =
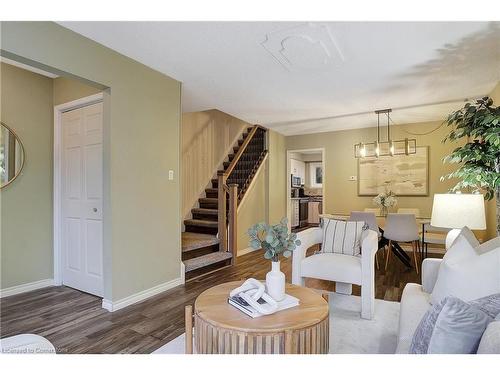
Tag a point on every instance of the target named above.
point(94, 209)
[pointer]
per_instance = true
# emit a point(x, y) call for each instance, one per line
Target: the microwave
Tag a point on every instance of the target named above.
point(296, 181)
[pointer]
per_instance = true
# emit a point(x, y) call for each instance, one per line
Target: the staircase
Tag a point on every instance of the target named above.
point(202, 250)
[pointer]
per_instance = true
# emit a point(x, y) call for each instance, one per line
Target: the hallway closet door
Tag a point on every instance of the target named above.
point(81, 189)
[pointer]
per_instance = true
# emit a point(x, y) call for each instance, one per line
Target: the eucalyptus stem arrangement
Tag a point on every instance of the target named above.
point(478, 123)
point(275, 240)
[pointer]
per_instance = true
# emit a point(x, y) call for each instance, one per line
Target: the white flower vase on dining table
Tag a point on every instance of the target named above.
point(275, 282)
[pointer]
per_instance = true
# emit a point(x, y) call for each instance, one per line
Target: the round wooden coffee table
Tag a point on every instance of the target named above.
point(222, 328)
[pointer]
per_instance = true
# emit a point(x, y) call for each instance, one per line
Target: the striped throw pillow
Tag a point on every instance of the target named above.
point(342, 237)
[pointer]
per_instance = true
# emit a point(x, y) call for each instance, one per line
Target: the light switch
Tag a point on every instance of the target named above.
point(353, 178)
point(170, 174)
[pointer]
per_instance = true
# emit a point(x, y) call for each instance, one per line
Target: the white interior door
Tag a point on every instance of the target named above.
point(81, 187)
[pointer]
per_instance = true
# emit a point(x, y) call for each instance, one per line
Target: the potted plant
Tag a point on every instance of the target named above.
point(478, 124)
point(275, 240)
point(385, 201)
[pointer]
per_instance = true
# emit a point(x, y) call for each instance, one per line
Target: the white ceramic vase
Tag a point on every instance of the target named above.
point(275, 282)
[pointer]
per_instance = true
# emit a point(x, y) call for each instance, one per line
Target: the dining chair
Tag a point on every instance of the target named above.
point(370, 219)
point(402, 228)
point(433, 235)
point(414, 211)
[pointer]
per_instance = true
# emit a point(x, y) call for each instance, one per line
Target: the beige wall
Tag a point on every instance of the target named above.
point(265, 201)
point(141, 143)
point(341, 194)
point(26, 211)
point(207, 139)
point(253, 208)
point(67, 90)
point(276, 177)
point(491, 206)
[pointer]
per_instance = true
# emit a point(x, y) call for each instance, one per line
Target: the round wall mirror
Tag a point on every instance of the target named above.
point(11, 156)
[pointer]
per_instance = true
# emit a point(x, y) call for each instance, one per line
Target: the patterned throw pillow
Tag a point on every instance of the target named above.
point(485, 308)
point(458, 328)
point(342, 237)
point(490, 305)
point(423, 333)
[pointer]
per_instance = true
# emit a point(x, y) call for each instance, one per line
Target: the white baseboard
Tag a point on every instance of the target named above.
point(183, 273)
point(140, 296)
point(28, 287)
point(245, 251)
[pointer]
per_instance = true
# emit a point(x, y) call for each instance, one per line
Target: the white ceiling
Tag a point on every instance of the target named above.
point(299, 77)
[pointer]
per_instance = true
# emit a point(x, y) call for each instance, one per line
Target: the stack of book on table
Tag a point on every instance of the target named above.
point(241, 304)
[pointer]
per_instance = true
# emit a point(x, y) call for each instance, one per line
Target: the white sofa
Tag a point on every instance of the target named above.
point(415, 302)
point(345, 270)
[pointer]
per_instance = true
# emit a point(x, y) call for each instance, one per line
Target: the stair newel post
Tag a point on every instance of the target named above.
point(233, 221)
point(222, 220)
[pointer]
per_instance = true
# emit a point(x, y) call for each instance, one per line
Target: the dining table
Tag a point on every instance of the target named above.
point(396, 248)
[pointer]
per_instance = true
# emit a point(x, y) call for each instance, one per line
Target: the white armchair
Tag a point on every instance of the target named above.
point(345, 270)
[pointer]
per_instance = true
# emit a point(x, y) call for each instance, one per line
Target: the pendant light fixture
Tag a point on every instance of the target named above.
point(389, 147)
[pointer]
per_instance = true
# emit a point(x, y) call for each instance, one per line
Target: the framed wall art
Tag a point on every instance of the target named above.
point(405, 175)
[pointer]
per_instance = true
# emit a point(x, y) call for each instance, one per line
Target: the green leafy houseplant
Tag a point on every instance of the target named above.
point(273, 239)
point(479, 171)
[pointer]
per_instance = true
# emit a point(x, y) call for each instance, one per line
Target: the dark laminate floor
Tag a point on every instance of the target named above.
point(75, 322)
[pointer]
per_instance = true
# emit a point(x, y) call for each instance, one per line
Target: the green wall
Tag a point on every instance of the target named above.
point(67, 90)
point(26, 211)
point(141, 143)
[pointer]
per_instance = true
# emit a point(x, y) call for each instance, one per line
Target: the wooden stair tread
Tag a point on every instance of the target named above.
point(205, 211)
point(201, 254)
point(206, 260)
point(193, 241)
point(208, 199)
point(211, 202)
point(201, 223)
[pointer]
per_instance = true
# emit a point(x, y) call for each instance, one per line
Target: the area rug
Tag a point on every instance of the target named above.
point(349, 334)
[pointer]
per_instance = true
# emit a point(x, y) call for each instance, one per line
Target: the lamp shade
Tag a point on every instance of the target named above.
point(458, 210)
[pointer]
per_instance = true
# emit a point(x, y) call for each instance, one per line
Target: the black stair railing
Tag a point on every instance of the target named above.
point(233, 183)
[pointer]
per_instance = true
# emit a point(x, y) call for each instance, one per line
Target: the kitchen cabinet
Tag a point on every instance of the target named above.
point(314, 212)
point(298, 169)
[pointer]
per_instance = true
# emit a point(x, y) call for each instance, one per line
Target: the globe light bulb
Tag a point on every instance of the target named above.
point(362, 151)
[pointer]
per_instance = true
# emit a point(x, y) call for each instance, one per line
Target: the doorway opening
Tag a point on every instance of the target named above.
point(55, 101)
point(305, 187)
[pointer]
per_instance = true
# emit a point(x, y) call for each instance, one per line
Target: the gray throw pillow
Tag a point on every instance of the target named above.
point(490, 305)
point(459, 328)
point(453, 326)
point(423, 333)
